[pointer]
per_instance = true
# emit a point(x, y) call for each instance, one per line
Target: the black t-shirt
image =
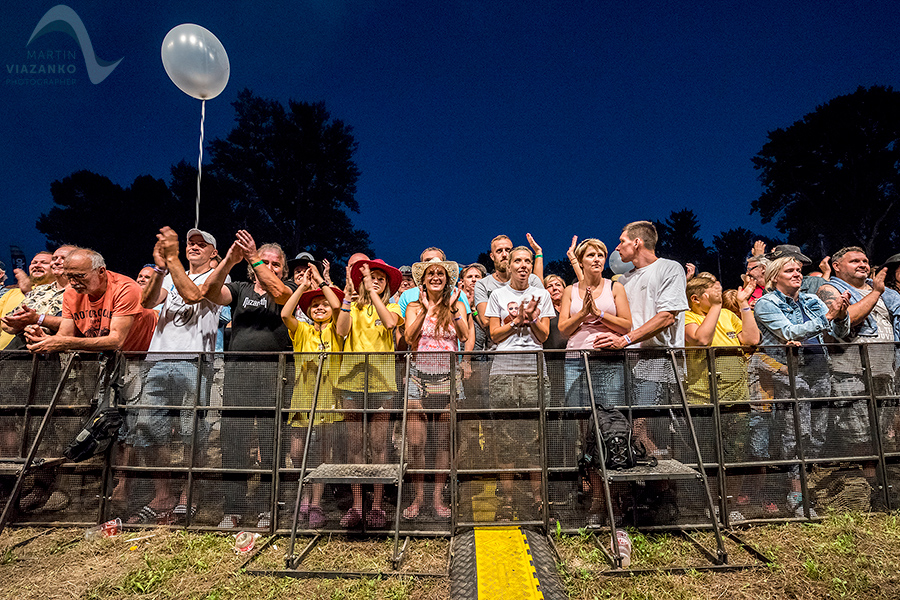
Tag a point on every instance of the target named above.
point(256, 323)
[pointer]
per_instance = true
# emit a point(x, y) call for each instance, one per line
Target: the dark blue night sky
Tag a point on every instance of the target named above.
point(473, 117)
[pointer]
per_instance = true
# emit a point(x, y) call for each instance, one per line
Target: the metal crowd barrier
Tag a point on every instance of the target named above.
point(229, 434)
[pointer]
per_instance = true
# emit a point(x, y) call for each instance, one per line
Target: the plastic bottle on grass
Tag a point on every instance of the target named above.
point(104, 530)
point(624, 547)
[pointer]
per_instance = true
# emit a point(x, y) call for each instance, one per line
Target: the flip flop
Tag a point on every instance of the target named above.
point(442, 512)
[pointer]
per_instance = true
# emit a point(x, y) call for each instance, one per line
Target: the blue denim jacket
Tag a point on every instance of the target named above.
point(890, 298)
point(780, 320)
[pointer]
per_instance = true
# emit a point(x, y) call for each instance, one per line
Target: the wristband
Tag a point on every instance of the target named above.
point(159, 270)
point(41, 319)
point(347, 302)
point(457, 318)
point(323, 284)
point(539, 256)
point(475, 312)
point(746, 309)
point(627, 339)
point(256, 264)
point(345, 310)
point(601, 314)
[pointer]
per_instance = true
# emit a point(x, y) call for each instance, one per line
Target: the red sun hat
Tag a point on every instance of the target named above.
point(395, 277)
point(307, 297)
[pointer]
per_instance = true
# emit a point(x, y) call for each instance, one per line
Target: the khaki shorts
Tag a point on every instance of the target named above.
point(516, 434)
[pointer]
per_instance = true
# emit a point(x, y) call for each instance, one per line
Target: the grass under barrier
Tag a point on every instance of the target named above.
point(850, 555)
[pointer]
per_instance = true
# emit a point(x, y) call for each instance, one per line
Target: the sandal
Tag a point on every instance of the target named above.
point(442, 512)
point(376, 518)
point(411, 512)
point(351, 518)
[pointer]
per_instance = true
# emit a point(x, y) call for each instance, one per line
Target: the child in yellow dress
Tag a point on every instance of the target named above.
point(319, 302)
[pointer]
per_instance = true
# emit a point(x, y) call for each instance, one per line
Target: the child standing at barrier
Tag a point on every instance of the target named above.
point(708, 324)
point(318, 301)
point(435, 325)
point(368, 381)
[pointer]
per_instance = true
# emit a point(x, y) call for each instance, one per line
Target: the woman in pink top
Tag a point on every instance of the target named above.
point(435, 326)
point(593, 305)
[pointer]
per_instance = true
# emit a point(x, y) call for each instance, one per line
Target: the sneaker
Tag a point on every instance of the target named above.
point(230, 522)
point(735, 515)
point(795, 503)
point(376, 518)
point(316, 517)
point(265, 520)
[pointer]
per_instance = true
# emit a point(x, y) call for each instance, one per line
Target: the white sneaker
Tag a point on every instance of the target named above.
point(265, 520)
point(230, 522)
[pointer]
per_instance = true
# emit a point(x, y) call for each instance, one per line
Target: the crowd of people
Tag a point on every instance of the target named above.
point(436, 307)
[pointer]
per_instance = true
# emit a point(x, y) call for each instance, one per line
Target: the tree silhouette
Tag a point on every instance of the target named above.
point(119, 223)
point(730, 251)
point(831, 178)
point(285, 175)
point(679, 240)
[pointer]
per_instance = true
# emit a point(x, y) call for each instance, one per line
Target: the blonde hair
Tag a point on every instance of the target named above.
point(385, 295)
point(774, 268)
point(583, 246)
point(551, 277)
point(698, 284)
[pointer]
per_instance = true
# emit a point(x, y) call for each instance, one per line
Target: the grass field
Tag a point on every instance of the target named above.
point(844, 556)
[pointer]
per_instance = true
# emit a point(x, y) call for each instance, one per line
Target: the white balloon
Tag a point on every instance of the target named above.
point(195, 61)
point(617, 266)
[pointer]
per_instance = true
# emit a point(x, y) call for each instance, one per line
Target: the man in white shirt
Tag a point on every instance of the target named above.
point(188, 323)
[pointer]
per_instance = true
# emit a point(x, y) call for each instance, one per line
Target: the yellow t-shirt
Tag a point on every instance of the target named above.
point(367, 334)
point(8, 303)
point(308, 345)
point(731, 366)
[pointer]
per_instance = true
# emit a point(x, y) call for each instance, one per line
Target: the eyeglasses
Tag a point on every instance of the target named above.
point(78, 276)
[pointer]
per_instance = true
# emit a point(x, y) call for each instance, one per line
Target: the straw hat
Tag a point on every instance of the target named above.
point(452, 268)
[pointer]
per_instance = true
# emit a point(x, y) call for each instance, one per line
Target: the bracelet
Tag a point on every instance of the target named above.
point(345, 310)
point(41, 318)
point(746, 309)
point(347, 302)
point(256, 264)
point(539, 256)
point(457, 318)
point(474, 312)
point(159, 270)
point(601, 314)
point(323, 284)
point(627, 339)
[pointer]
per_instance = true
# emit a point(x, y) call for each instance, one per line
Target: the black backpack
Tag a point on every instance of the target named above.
point(621, 451)
point(104, 424)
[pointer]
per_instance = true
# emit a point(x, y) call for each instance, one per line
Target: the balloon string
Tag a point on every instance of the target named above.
point(200, 162)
